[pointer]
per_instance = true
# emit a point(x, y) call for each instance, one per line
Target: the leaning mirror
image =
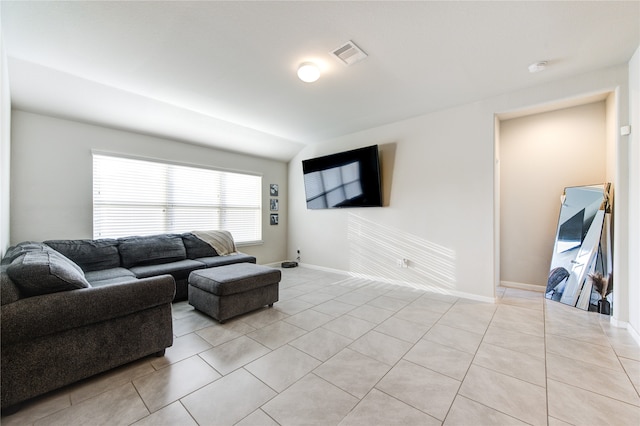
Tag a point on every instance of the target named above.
point(581, 265)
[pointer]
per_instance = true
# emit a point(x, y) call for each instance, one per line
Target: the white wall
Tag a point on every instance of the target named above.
point(51, 177)
point(441, 211)
point(369, 241)
point(5, 150)
point(540, 155)
point(634, 193)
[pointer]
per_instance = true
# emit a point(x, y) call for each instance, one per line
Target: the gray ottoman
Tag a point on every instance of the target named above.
point(226, 291)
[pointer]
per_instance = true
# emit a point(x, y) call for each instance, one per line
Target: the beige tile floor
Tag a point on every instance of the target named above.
point(338, 350)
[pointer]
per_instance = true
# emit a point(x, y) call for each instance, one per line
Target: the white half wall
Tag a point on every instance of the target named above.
point(440, 213)
point(51, 177)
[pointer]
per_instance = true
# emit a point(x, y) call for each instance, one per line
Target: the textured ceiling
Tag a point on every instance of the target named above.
point(222, 74)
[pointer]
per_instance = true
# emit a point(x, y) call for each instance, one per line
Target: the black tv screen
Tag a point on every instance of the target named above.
point(346, 179)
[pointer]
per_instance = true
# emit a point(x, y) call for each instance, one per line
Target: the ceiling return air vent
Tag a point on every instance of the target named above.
point(349, 53)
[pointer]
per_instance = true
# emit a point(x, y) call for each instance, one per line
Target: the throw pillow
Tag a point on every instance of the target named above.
point(18, 250)
point(197, 248)
point(43, 272)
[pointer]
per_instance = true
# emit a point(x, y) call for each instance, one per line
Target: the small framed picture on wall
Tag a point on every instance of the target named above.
point(273, 204)
point(274, 219)
point(273, 189)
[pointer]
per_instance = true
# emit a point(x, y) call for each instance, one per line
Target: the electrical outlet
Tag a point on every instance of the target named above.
point(403, 263)
point(298, 252)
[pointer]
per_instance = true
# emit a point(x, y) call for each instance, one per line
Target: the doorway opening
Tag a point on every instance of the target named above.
point(538, 152)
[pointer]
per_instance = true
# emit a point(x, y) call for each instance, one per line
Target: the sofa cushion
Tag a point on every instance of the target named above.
point(196, 247)
point(90, 255)
point(111, 281)
point(107, 274)
point(151, 250)
point(46, 271)
point(211, 262)
point(232, 279)
point(179, 270)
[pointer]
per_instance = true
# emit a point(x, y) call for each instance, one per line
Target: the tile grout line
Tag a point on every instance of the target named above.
point(469, 367)
point(546, 368)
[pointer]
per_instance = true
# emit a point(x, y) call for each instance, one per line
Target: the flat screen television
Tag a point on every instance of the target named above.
point(346, 179)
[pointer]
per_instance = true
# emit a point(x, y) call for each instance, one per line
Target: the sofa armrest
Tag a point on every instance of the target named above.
point(38, 316)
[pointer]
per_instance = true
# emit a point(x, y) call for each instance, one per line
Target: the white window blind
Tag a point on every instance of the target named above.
point(136, 197)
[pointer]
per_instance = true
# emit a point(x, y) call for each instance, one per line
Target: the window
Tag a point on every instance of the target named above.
point(136, 197)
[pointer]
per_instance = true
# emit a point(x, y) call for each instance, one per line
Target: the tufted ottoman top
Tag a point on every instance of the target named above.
point(235, 278)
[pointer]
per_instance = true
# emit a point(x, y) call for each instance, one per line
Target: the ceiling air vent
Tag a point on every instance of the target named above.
point(349, 53)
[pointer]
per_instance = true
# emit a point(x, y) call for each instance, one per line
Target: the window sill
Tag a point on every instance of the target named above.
point(250, 243)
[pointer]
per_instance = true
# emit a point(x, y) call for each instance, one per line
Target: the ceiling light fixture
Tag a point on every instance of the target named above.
point(308, 72)
point(538, 66)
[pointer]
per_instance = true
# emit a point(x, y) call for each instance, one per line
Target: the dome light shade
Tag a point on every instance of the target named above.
point(308, 72)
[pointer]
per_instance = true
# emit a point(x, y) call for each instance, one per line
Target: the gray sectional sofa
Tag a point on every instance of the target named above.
point(109, 261)
point(74, 308)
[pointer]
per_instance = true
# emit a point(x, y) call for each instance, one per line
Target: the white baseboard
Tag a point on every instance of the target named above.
point(523, 286)
point(306, 265)
point(432, 289)
point(617, 323)
point(325, 269)
point(623, 324)
point(634, 333)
